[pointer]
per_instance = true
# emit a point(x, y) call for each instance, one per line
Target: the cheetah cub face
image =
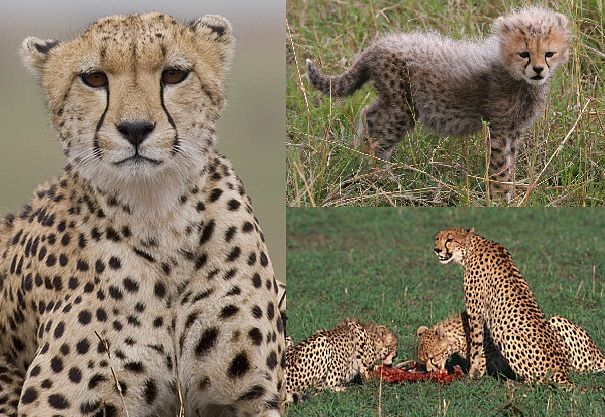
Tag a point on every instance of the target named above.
point(533, 43)
point(450, 245)
point(135, 99)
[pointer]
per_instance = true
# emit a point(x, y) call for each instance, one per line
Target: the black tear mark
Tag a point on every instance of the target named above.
point(96, 149)
point(43, 48)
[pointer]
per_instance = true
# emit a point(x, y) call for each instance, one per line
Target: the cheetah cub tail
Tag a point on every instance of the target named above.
point(339, 85)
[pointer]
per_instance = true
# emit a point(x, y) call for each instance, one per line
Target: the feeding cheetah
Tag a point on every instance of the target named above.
point(497, 297)
point(329, 359)
point(451, 336)
point(451, 86)
point(138, 283)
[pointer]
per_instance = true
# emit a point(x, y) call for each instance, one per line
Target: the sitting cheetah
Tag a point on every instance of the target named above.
point(497, 297)
point(331, 358)
point(451, 86)
point(451, 336)
point(138, 283)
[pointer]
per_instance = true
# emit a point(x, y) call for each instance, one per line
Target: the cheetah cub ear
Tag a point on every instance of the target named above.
point(216, 29)
point(35, 53)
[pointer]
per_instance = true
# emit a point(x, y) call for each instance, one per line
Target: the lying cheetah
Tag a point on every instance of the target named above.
point(451, 86)
point(450, 337)
point(138, 283)
point(497, 297)
point(331, 358)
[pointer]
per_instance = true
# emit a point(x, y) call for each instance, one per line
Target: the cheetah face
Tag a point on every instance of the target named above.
point(135, 97)
point(533, 43)
point(433, 348)
point(450, 245)
point(387, 345)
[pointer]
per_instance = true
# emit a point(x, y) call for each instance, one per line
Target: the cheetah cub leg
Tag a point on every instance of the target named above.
point(477, 354)
point(503, 148)
point(11, 383)
point(384, 125)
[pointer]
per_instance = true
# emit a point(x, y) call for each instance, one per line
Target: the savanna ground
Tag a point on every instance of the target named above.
point(378, 265)
point(561, 161)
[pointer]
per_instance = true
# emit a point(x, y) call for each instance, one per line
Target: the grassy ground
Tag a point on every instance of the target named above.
point(378, 265)
point(563, 156)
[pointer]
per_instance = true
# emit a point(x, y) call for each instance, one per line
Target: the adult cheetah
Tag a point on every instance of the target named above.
point(138, 283)
point(329, 359)
point(497, 296)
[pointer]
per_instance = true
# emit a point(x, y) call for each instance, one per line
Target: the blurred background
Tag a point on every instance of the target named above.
point(250, 132)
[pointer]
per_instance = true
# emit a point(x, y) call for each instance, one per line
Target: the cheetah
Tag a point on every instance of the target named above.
point(329, 359)
point(451, 86)
point(497, 297)
point(138, 282)
point(451, 336)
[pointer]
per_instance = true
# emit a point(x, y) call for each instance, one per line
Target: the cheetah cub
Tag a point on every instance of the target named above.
point(451, 86)
point(138, 282)
point(329, 359)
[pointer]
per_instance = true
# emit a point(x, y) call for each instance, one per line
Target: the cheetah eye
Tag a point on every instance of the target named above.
point(174, 75)
point(549, 54)
point(524, 54)
point(96, 79)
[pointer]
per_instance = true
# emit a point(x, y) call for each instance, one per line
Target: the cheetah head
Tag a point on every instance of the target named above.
point(433, 348)
point(135, 98)
point(385, 342)
point(534, 41)
point(451, 244)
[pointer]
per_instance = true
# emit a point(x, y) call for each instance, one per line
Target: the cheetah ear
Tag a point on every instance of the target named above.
point(421, 330)
point(471, 230)
point(35, 53)
point(562, 20)
point(499, 26)
point(215, 28)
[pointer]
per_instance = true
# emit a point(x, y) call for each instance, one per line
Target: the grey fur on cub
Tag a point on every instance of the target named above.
point(450, 86)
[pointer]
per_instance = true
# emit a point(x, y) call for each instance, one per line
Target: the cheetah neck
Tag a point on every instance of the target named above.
point(151, 207)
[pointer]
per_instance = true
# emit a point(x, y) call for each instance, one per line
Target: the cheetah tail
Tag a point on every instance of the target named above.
point(339, 85)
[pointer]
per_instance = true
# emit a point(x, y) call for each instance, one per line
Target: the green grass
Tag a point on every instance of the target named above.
point(562, 162)
point(377, 264)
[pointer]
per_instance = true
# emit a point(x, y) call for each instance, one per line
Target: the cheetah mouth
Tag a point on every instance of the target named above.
point(136, 160)
point(537, 78)
point(444, 259)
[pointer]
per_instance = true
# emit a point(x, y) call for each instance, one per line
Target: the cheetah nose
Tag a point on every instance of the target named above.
point(135, 131)
point(437, 250)
point(538, 70)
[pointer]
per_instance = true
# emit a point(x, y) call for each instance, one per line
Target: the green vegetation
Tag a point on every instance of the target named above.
point(378, 265)
point(560, 163)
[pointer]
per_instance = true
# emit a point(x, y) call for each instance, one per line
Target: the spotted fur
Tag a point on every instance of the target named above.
point(451, 337)
point(329, 359)
point(138, 282)
point(451, 86)
point(498, 298)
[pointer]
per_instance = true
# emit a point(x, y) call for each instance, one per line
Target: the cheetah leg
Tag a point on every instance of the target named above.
point(477, 354)
point(503, 149)
point(11, 382)
point(384, 125)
